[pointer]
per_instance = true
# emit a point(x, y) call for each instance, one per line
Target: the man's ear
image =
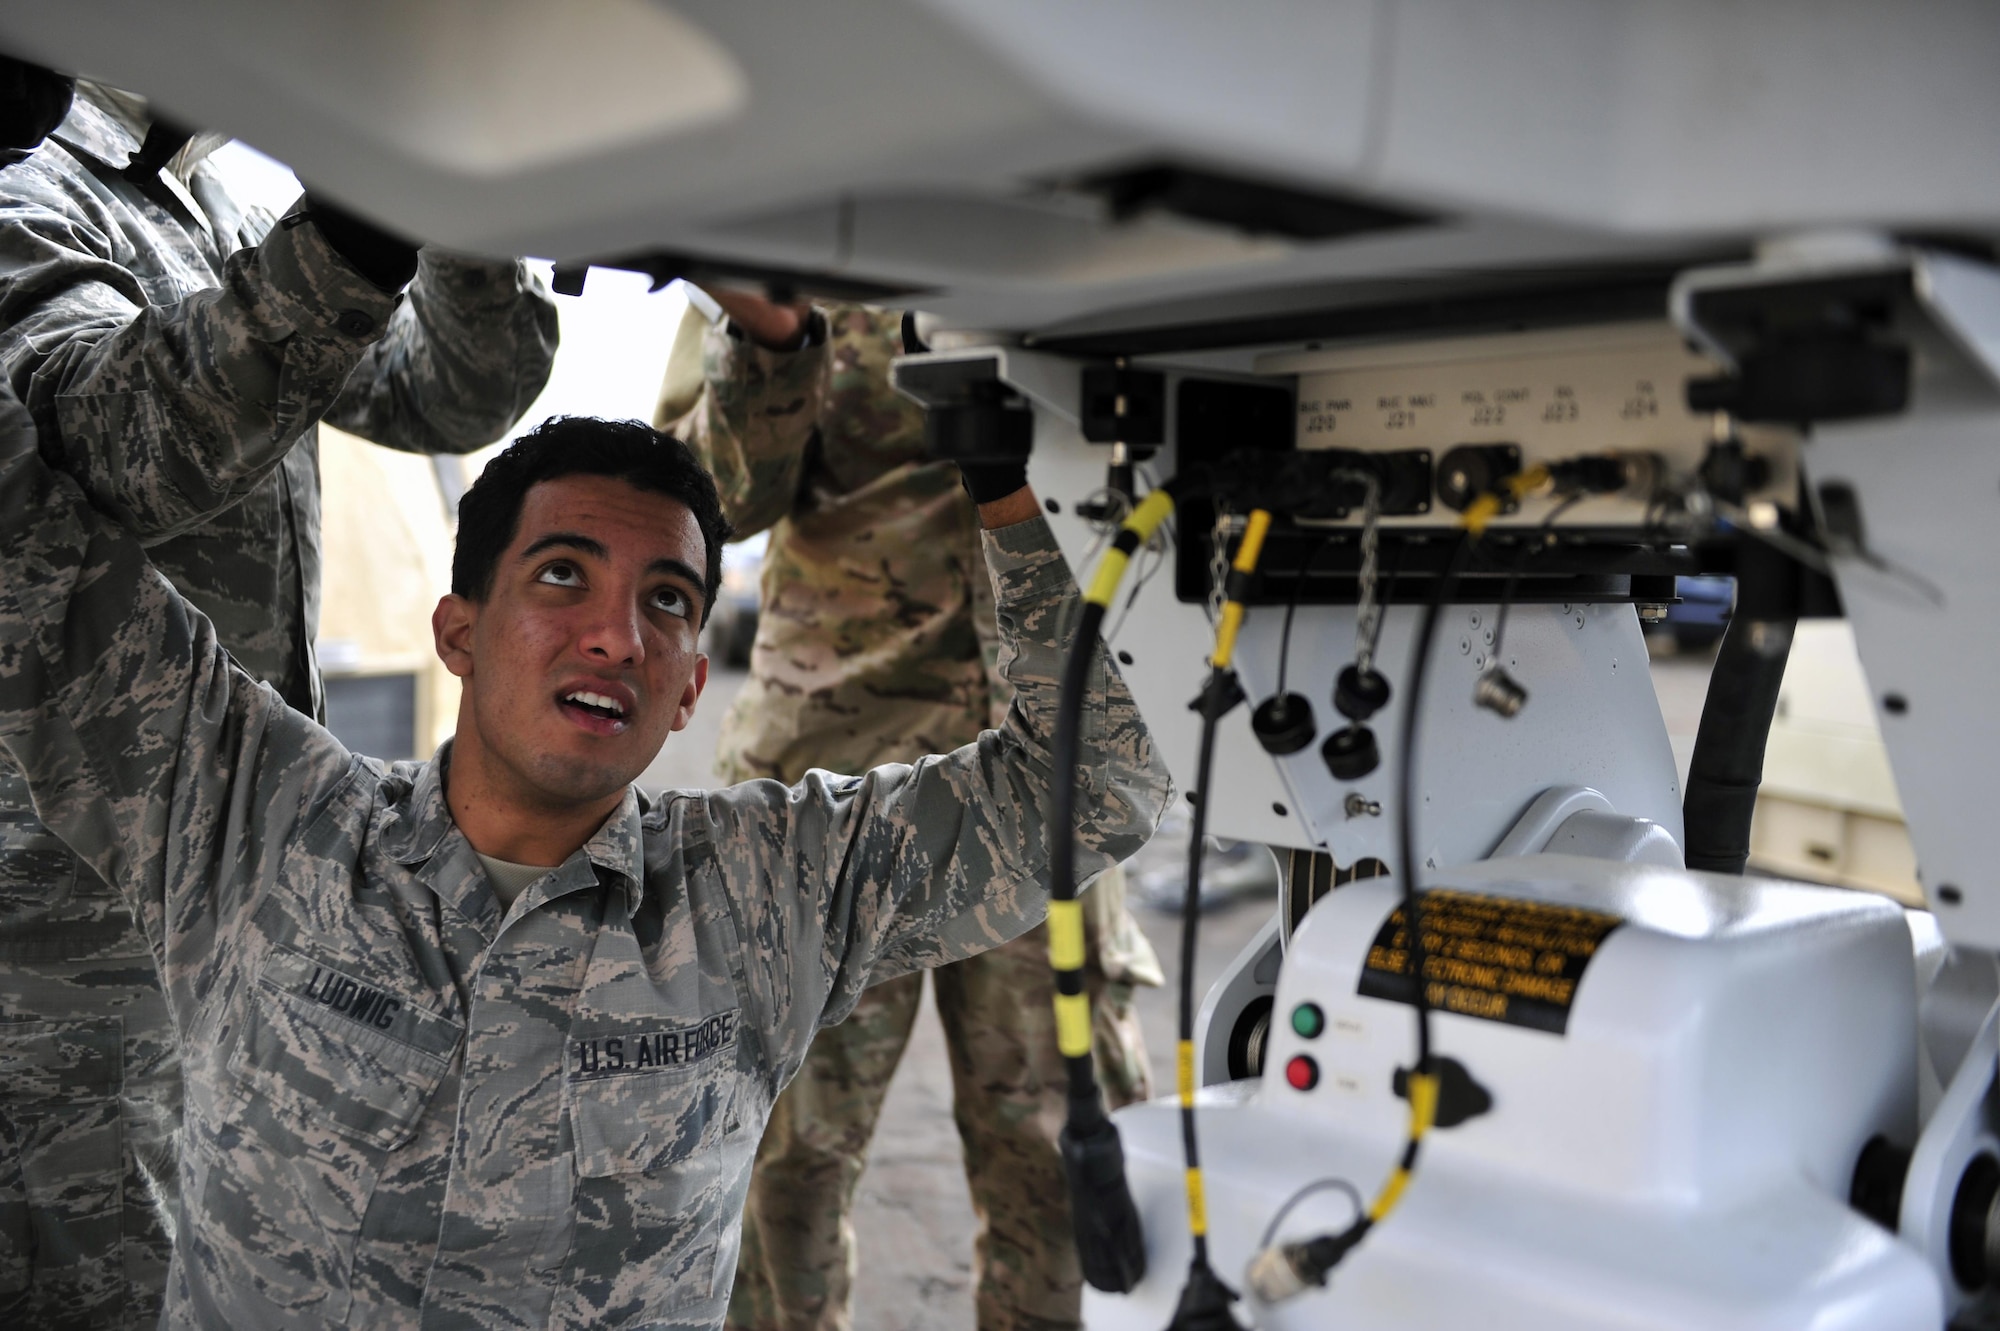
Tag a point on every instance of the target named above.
point(451, 632)
point(692, 693)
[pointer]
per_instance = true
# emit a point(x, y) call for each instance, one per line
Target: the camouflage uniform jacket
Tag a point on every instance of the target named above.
point(138, 322)
point(875, 637)
point(405, 1108)
point(122, 321)
point(876, 613)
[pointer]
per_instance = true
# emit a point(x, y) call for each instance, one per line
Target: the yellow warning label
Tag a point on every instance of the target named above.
point(1494, 958)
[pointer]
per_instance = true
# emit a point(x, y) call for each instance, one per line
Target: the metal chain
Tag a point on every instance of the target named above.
point(1368, 611)
point(1218, 564)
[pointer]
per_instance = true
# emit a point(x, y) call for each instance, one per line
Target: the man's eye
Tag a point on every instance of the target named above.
point(561, 574)
point(673, 601)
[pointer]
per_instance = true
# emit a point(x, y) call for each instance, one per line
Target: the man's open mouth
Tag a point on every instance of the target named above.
point(595, 711)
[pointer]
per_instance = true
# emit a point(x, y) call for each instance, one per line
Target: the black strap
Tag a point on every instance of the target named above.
point(163, 139)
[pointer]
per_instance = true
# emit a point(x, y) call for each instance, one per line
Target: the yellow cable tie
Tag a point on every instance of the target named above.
point(1110, 572)
point(1073, 1025)
point(1184, 1061)
point(1523, 483)
point(1252, 547)
point(1152, 511)
point(1225, 634)
point(1480, 512)
point(1066, 935)
point(1145, 520)
point(1197, 1204)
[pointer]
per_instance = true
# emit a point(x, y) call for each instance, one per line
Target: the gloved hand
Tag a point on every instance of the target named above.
point(33, 101)
point(988, 481)
point(387, 260)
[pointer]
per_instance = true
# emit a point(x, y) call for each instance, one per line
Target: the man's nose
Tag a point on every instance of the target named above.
point(613, 634)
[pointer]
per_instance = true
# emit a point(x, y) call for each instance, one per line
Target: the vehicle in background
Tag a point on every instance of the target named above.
point(732, 625)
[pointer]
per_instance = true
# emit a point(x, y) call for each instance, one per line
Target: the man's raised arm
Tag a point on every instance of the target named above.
point(856, 879)
point(462, 358)
point(167, 414)
point(757, 412)
point(146, 749)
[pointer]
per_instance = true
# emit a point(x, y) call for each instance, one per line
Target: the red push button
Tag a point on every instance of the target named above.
point(1302, 1073)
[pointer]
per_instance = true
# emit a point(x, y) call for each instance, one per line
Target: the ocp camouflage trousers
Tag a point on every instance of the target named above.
point(797, 1267)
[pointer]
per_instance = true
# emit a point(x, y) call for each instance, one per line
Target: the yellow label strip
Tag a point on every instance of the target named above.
point(1197, 1204)
point(1073, 1025)
point(1392, 1192)
point(1066, 935)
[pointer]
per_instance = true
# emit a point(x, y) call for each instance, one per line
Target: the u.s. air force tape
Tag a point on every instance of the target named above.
point(647, 1046)
point(1494, 958)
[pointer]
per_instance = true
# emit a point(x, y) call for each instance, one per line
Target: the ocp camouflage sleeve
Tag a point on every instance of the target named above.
point(463, 357)
point(913, 866)
point(753, 424)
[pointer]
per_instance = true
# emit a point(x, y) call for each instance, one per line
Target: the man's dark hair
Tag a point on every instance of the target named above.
point(631, 451)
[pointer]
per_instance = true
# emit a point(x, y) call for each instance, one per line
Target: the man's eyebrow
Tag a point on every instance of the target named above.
point(569, 540)
point(678, 569)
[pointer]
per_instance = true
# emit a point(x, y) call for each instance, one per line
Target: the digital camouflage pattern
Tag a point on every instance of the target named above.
point(161, 349)
point(405, 1108)
point(122, 323)
point(876, 643)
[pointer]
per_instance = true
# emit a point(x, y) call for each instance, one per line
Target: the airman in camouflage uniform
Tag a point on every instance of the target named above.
point(408, 1106)
point(133, 312)
point(874, 644)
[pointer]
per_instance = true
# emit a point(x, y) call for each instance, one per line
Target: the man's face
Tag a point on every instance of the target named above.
point(582, 657)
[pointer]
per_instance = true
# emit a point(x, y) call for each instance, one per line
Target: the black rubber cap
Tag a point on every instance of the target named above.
point(1966, 1235)
point(1358, 696)
point(1351, 753)
point(1110, 1242)
point(1877, 1190)
point(1283, 723)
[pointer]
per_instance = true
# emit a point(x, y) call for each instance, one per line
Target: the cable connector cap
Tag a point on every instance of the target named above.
point(1500, 693)
point(1286, 1270)
point(1274, 1275)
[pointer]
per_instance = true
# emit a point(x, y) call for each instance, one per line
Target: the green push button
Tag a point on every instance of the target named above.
point(1308, 1020)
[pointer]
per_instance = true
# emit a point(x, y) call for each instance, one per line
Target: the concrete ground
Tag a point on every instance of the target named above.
point(914, 1217)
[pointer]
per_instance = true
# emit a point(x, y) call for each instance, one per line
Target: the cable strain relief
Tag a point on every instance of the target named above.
point(1085, 1112)
point(1317, 1257)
